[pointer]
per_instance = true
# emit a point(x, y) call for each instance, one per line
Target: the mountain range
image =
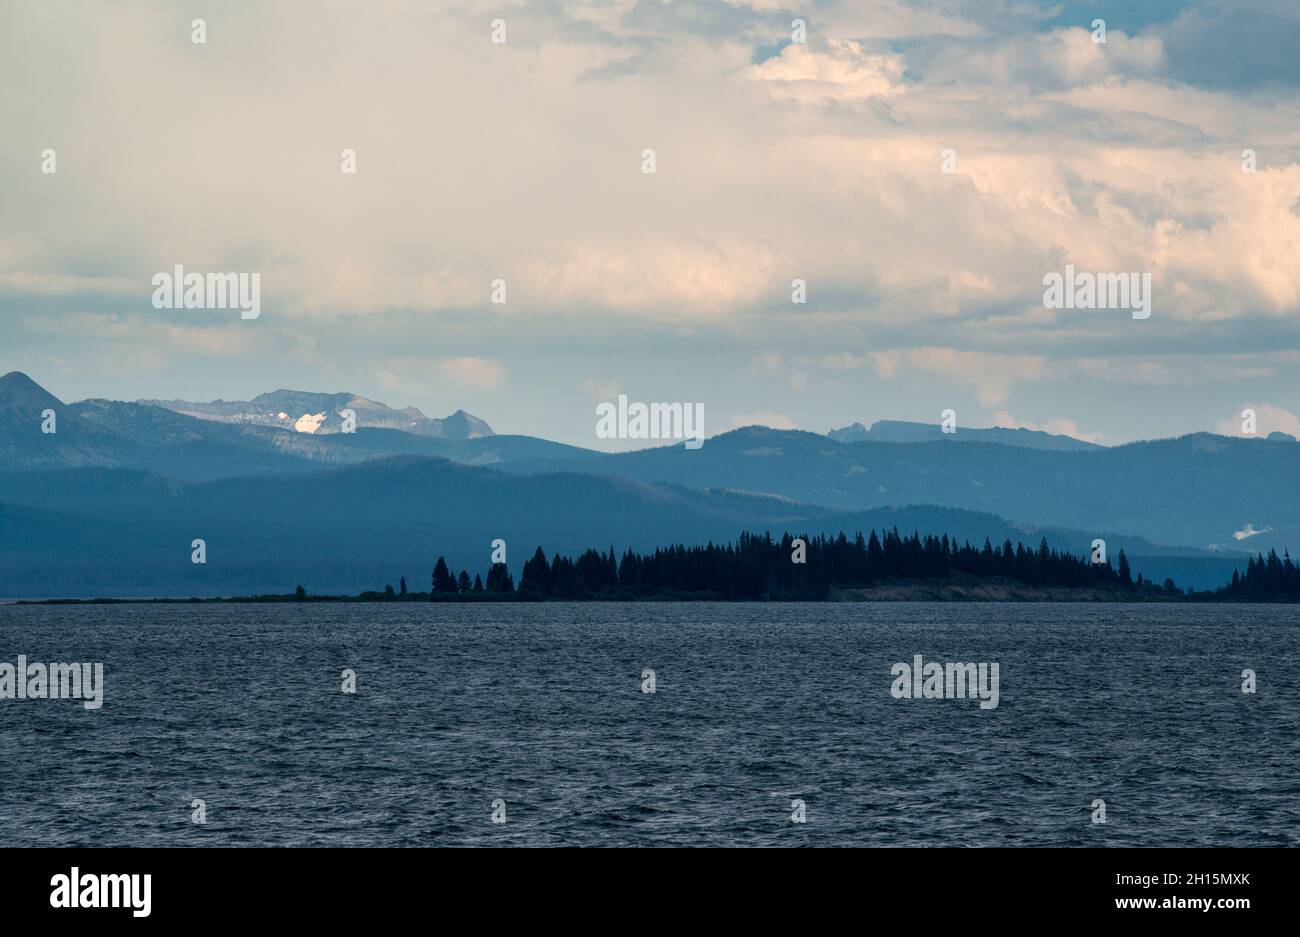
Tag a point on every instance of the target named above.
point(1202, 490)
point(110, 502)
point(900, 431)
point(307, 412)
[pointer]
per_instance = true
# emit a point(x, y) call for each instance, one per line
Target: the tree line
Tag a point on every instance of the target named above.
point(1268, 579)
point(810, 567)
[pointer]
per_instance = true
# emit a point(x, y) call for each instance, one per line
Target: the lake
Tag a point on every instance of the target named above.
point(755, 707)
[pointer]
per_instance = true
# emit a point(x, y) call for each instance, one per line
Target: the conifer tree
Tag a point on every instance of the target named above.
point(442, 578)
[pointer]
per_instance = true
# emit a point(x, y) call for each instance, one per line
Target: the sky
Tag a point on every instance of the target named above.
point(774, 160)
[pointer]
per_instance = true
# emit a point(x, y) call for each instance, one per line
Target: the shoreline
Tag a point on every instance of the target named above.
point(939, 593)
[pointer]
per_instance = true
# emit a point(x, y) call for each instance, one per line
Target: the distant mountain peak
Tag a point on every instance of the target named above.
point(903, 431)
point(316, 413)
point(17, 389)
point(72, 441)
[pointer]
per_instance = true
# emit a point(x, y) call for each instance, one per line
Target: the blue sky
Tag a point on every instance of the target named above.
point(774, 161)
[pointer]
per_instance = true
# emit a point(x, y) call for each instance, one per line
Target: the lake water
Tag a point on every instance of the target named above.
point(756, 705)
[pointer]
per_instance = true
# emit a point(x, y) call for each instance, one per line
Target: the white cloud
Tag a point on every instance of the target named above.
point(1268, 419)
point(548, 192)
point(1249, 531)
point(1057, 426)
point(833, 70)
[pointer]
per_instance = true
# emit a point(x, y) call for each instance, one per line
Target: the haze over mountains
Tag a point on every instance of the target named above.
point(198, 441)
point(1202, 490)
point(110, 502)
point(322, 413)
point(900, 431)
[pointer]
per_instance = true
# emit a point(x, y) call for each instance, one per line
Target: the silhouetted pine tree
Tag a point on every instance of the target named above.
point(442, 579)
point(536, 575)
point(499, 579)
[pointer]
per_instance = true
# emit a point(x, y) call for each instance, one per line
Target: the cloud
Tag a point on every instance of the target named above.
point(763, 418)
point(841, 361)
point(1070, 151)
point(1268, 419)
point(834, 70)
point(479, 373)
point(1057, 425)
point(776, 160)
point(137, 332)
point(668, 281)
point(1249, 531)
point(992, 376)
point(1042, 62)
